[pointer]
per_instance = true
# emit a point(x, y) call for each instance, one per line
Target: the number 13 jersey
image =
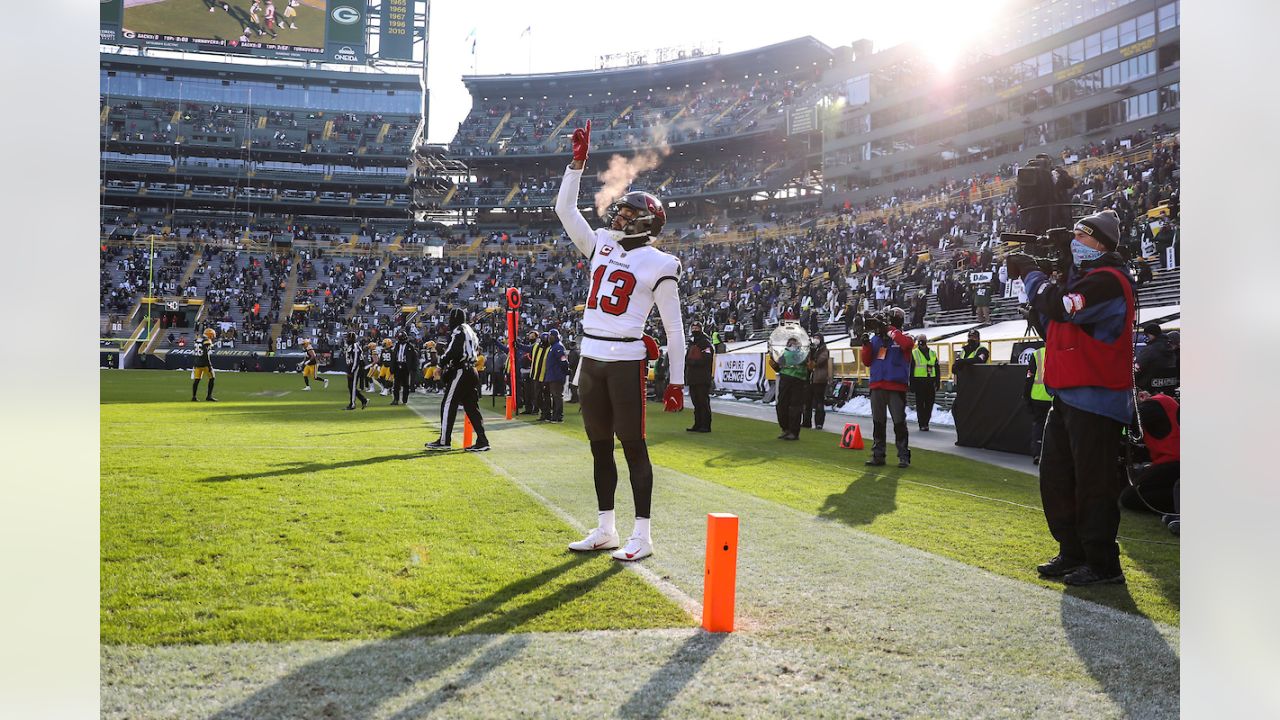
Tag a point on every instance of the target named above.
point(621, 295)
point(624, 287)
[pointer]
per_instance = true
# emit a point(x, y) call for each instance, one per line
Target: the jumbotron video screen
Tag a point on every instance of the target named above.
point(321, 30)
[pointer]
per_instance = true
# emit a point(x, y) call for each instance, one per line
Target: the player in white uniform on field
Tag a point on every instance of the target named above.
point(628, 277)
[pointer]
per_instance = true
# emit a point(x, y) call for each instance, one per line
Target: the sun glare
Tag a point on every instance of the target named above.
point(946, 30)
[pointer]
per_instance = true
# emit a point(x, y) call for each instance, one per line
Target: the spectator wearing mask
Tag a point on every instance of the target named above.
point(1038, 401)
point(973, 353)
point(699, 362)
point(926, 379)
point(888, 354)
point(815, 408)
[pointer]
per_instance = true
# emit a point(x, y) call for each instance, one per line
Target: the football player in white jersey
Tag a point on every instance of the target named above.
point(628, 277)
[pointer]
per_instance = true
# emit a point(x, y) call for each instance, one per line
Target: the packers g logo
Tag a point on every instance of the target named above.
point(345, 15)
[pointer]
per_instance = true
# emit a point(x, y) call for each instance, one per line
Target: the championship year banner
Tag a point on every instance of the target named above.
point(396, 39)
point(740, 372)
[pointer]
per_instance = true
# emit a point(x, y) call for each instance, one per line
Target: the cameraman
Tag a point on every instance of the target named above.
point(1089, 374)
point(888, 354)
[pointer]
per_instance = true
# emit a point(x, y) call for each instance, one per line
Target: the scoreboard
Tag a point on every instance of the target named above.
point(330, 31)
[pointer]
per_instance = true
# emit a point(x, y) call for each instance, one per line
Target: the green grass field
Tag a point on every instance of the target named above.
point(192, 18)
point(978, 514)
point(272, 555)
point(271, 516)
point(274, 515)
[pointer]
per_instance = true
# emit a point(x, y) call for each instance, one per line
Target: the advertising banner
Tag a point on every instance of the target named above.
point(740, 372)
point(112, 12)
point(344, 38)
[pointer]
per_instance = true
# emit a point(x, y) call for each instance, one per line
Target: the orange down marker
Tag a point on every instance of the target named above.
point(852, 437)
point(466, 431)
point(722, 572)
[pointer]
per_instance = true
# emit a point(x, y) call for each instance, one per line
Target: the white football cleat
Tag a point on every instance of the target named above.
point(636, 548)
point(598, 539)
point(305, 388)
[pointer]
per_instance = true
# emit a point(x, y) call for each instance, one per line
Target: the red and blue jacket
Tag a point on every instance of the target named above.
point(889, 360)
point(1088, 336)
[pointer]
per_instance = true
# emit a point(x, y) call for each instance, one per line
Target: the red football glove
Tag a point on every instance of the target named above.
point(651, 347)
point(673, 398)
point(581, 140)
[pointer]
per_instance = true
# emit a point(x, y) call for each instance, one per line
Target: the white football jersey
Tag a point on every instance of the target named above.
point(625, 287)
point(621, 295)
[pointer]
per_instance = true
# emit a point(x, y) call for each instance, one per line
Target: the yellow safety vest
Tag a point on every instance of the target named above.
point(1038, 391)
point(925, 364)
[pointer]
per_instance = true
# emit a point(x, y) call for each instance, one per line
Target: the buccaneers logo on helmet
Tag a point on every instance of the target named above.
point(648, 219)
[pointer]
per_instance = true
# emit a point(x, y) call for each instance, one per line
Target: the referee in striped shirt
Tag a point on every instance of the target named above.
point(353, 356)
point(461, 383)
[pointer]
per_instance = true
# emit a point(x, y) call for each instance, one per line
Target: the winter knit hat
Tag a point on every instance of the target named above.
point(1102, 226)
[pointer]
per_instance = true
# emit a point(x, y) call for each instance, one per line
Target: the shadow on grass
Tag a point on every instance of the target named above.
point(865, 499)
point(1126, 654)
point(1150, 546)
point(666, 683)
point(359, 682)
point(306, 467)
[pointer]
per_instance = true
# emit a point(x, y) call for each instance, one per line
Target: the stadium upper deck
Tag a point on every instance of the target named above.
point(245, 143)
point(1058, 73)
point(707, 127)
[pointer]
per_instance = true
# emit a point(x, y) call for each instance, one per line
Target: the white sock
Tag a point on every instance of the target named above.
point(606, 521)
point(642, 528)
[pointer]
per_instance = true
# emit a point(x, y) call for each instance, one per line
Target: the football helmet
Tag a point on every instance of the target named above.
point(457, 316)
point(210, 333)
point(649, 219)
point(306, 344)
point(386, 342)
point(431, 344)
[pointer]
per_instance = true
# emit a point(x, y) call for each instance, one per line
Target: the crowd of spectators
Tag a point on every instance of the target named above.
point(644, 118)
point(819, 267)
point(164, 121)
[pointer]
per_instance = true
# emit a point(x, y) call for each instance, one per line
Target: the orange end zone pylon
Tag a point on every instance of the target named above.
point(466, 432)
point(720, 579)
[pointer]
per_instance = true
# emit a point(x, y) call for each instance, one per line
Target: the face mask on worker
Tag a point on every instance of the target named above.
point(1081, 253)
